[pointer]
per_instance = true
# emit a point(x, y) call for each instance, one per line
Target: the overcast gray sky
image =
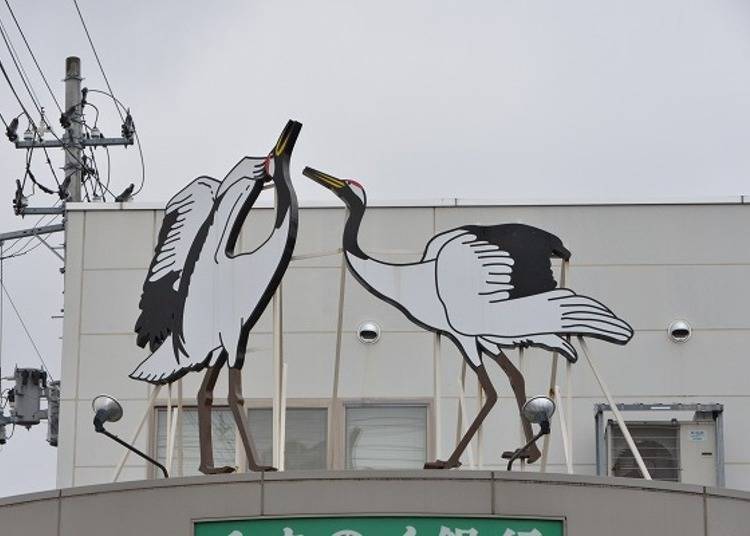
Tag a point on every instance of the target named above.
point(502, 100)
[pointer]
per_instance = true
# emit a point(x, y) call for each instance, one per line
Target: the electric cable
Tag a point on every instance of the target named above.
point(51, 168)
point(15, 93)
point(98, 61)
point(26, 329)
point(28, 116)
point(21, 250)
point(2, 303)
point(33, 57)
point(19, 66)
point(137, 140)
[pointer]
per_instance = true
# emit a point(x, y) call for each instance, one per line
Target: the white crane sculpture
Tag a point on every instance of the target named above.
point(485, 288)
point(200, 300)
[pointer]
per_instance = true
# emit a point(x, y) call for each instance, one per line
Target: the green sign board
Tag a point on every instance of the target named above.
point(382, 526)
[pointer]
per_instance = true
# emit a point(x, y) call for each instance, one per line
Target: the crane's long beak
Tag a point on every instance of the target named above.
point(324, 179)
point(287, 139)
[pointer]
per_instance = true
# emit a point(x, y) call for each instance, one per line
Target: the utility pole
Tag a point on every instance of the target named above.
point(73, 143)
point(73, 171)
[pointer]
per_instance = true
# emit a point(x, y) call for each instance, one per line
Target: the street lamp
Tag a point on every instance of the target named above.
point(538, 410)
point(108, 409)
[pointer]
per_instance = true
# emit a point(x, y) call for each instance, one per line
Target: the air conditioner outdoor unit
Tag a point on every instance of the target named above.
point(678, 443)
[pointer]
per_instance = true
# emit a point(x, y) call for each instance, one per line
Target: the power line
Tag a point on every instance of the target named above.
point(96, 55)
point(28, 334)
point(21, 250)
point(26, 113)
point(31, 52)
point(2, 302)
point(137, 141)
point(19, 67)
point(15, 93)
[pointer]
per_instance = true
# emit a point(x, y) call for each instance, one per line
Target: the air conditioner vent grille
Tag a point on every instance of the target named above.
point(659, 445)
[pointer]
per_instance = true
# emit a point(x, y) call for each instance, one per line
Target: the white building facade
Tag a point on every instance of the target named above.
point(399, 399)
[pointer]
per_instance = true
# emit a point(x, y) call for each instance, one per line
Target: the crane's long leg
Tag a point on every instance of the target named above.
point(518, 384)
point(205, 403)
point(491, 398)
point(237, 405)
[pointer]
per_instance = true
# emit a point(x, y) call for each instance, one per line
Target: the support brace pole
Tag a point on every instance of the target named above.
point(277, 371)
point(282, 424)
point(144, 418)
point(437, 396)
point(522, 369)
point(463, 419)
point(553, 377)
point(616, 412)
point(337, 359)
point(564, 431)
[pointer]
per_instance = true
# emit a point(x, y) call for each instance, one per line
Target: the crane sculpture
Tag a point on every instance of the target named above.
point(486, 288)
point(201, 299)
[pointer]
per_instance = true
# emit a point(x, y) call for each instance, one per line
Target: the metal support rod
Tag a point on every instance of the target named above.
point(41, 211)
point(54, 252)
point(277, 362)
point(615, 411)
point(337, 357)
point(144, 418)
point(82, 142)
point(282, 424)
point(34, 231)
point(564, 432)
point(180, 454)
point(463, 418)
point(552, 379)
point(479, 442)
point(168, 454)
point(569, 404)
point(522, 370)
point(73, 142)
point(459, 416)
point(436, 395)
point(171, 439)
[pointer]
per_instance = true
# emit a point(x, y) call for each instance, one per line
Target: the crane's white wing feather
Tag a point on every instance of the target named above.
point(185, 218)
point(470, 272)
point(474, 280)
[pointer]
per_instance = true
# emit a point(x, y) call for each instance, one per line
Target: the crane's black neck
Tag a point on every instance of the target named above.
point(351, 230)
point(285, 197)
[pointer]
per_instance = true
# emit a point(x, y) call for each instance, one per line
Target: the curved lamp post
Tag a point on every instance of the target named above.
point(108, 409)
point(537, 410)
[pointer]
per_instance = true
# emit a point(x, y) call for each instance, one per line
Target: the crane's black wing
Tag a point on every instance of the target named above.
point(530, 248)
point(185, 222)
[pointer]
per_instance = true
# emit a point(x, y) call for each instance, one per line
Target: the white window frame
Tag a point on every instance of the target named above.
point(338, 450)
point(250, 403)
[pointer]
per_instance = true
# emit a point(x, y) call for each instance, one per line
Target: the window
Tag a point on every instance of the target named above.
point(386, 436)
point(222, 426)
point(306, 431)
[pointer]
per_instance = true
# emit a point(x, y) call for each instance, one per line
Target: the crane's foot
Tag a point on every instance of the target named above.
point(211, 470)
point(442, 464)
point(533, 454)
point(530, 455)
point(261, 468)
